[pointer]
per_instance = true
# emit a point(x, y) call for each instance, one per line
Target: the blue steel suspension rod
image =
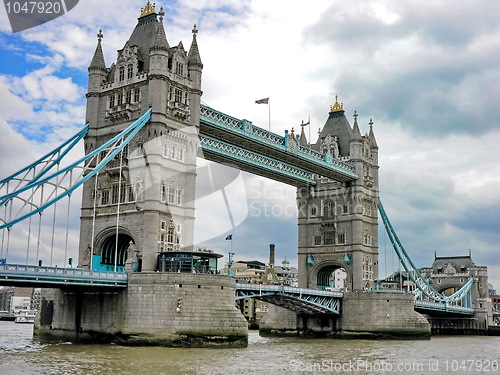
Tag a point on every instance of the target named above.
point(125, 136)
point(422, 284)
point(48, 159)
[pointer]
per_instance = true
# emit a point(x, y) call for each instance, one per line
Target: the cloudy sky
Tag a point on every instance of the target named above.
point(427, 72)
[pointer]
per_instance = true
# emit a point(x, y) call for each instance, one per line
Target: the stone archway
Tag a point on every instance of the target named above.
point(112, 251)
point(331, 276)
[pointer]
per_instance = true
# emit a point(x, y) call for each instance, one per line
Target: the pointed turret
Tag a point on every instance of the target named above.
point(194, 59)
point(336, 125)
point(98, 59)
point(356, 134)
point(371, 136)
point(160, 42)
point(303, 138)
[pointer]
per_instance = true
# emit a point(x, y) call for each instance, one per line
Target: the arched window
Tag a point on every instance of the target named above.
point(121, 73)
point(329, 209)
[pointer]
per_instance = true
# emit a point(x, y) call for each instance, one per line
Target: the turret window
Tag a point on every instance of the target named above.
point(130, 71)
point(111, 101)
point(128, 98)
point(178, 95)
point(120, 98)
point(122, 74)
point(179, 68)
point(136, 95)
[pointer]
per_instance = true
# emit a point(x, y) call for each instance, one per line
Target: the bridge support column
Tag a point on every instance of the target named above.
point(161, 309)
point(382, 315)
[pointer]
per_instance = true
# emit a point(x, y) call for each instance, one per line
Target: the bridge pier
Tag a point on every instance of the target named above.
point(162, 309)
point(365, 315)
point(387, 315)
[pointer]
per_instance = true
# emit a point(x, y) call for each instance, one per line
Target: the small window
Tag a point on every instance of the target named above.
point(120, 99)
point(171, 195)
point(178, 197)
point(136, 95)
point(163, 225)
point(179, 68)
point(178, 95)
point(345, 209)
point(317, 240)
point(122, 74)
point(111, 101)
point(181, 154)
point(314, 210)
point(329, 238)
point(128, 98)
point(163, 192)
point(341, 238)
point(130, 71)
point(105, 197)
point(329, 209)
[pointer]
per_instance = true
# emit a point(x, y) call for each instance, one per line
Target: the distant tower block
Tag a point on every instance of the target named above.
point(338, 221)
point(152, 185)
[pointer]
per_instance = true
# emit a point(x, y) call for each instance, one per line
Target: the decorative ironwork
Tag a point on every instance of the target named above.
point(148, 9)
point(245, 128)
point(298, 299)
point(231, 152)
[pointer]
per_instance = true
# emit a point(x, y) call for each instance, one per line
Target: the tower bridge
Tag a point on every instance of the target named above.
point(145, 128)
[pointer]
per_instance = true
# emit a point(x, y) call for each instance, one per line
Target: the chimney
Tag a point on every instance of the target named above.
point(271, 255)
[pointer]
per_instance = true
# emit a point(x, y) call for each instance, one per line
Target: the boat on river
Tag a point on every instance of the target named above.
point(25, 316)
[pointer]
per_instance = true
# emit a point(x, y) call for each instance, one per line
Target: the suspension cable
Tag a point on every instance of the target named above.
point(118, 207)
point(93, 216)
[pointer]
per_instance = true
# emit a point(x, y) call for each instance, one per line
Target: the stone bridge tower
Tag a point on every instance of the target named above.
point(338, 221)
point(152, 185)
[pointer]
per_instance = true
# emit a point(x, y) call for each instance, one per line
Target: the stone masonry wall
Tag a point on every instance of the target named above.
point(388, 315)
point(183, 309)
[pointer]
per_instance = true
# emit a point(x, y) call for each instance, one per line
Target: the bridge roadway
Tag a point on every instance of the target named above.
point(296, 299)
point(55, 277)
point(300, 300)
point(228, 140)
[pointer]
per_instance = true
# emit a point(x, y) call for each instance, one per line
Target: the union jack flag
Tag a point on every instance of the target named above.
point(262, 101)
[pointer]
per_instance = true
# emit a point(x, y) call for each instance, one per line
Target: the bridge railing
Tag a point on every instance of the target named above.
point(444, 307)
point(18, 269)
point(288, 289)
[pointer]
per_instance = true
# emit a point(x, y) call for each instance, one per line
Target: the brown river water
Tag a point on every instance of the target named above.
point(21, 355)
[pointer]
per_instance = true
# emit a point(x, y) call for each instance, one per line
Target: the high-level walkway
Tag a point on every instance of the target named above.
point(228, 140)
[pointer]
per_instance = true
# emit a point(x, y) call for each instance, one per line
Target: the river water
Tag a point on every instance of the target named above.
point(21, 355)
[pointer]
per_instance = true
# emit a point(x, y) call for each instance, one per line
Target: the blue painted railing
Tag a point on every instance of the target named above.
point(16, 274)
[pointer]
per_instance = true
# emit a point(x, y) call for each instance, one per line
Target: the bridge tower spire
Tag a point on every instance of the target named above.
point(338, 221)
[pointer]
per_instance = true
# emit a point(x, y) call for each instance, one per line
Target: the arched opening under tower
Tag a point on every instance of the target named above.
point(332, 277)
point(113, 256)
